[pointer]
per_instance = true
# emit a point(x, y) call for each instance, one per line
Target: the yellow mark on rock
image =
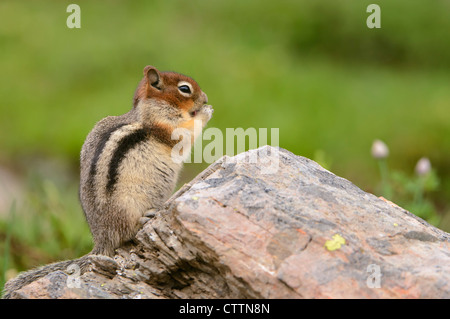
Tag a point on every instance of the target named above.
point(335, 243)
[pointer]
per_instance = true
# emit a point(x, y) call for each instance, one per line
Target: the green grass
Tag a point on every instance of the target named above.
point(47, 226)
point(310, 68)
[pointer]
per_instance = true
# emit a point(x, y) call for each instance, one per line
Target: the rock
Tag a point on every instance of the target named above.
point(279, 226)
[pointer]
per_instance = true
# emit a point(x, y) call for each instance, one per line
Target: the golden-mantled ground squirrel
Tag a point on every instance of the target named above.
point(126, 161)
point(127, 169)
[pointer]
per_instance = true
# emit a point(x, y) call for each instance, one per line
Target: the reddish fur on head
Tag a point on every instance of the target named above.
point(168, 100)
point(164, 86)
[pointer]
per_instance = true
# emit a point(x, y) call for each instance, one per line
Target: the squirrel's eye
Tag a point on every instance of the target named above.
point(185, 89)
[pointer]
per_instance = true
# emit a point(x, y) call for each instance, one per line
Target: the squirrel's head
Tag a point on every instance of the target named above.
point(173, 89)
point(165, 101)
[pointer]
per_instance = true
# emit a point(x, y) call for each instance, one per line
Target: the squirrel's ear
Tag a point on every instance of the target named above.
point(153, 77)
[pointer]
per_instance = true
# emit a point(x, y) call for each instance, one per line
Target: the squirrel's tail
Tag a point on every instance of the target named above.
point(28, 277)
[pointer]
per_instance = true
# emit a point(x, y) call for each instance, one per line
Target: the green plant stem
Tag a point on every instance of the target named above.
point(419, 191)
point(386, 190)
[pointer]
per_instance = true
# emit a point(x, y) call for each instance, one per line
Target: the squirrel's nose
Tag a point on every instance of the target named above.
point(205, 98)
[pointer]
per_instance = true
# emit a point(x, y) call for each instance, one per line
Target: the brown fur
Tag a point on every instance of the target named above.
point(145, 174)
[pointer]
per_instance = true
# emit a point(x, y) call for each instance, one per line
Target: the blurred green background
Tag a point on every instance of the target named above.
point(313, 69)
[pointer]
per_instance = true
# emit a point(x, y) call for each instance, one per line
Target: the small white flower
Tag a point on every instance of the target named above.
point(423, 166)
point(379, 149)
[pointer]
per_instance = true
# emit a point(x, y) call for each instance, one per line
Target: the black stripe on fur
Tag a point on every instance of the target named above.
point(126, 144)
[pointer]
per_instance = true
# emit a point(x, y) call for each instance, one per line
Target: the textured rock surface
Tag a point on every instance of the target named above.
point(300, 232)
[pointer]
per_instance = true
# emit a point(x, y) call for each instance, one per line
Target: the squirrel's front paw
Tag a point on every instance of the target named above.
point(207, 111)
